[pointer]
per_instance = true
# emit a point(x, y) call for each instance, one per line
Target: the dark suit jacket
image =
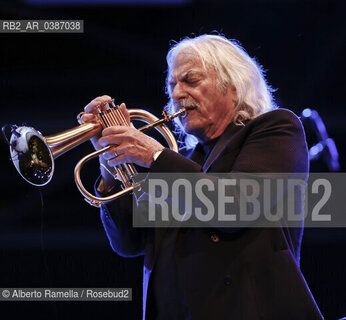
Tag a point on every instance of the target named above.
point(244, 274)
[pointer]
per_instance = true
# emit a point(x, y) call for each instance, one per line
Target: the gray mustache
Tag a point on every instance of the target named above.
point(187, 104)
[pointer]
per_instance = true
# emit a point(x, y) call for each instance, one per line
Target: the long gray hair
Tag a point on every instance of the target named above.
point(233, 66)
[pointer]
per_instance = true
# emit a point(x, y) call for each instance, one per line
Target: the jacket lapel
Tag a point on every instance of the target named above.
point(220, 145)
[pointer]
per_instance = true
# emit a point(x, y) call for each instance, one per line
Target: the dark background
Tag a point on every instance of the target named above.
point(49, 237)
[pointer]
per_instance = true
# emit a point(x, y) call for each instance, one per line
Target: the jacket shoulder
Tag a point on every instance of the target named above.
point(278, 120)
point(278, 115)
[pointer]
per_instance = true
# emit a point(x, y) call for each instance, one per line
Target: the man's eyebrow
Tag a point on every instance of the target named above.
point(185, 75)
point(192, 71)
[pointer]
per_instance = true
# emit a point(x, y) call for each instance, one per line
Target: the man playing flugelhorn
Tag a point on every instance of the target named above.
point(232, 125)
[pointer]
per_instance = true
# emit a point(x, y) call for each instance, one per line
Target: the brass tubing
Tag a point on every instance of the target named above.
point(99, 116)
point(106, 121)
point(125, 171)
point(123, 118)
point(123, 178)
point(66, 140)
point(118, 117)
point(90, 198)
point(113, 118)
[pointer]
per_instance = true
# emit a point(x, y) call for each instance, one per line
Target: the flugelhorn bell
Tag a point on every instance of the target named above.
point(33, 154)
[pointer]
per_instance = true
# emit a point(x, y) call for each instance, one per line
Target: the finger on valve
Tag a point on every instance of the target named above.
point(97, 104)
point(93, 108)
point(125, 113)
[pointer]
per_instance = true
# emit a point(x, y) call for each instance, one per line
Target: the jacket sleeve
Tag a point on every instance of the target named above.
point(116, 218)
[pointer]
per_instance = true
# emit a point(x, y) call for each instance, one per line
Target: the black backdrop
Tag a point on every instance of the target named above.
point(49, 237)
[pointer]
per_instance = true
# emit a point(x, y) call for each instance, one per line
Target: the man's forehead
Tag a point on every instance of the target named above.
point(185, 61)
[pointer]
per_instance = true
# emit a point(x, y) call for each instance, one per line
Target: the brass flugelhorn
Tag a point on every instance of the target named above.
point(33, 154)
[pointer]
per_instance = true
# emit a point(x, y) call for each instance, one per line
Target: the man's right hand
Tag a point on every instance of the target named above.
point(91, 110)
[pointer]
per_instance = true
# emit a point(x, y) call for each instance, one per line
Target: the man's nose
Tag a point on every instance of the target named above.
point(179, 93)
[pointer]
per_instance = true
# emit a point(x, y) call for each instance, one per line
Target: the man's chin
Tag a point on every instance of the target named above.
point(189, 128)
